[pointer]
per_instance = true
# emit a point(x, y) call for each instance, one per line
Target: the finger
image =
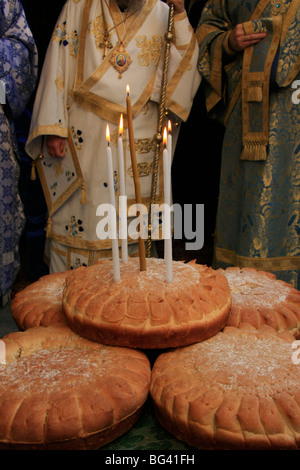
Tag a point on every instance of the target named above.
point(251, 42)
point(256, 36)
point(62, 147)
point(50, 151)
point(60, 151)
point(55, 151)
point(56, 147)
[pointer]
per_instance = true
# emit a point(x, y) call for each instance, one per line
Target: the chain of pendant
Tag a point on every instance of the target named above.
point(125, 17)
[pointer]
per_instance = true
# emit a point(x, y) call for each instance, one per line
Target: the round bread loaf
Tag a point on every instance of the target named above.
point(40, 303)
point(61, 391)
point(259, 298)
point(237, 390)
point(142, 310)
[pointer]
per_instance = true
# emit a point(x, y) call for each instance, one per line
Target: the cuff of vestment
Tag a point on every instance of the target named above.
point(226, 46)
point(182, 30)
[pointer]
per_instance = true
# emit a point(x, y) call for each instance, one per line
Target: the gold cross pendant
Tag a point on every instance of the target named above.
point(106, 44)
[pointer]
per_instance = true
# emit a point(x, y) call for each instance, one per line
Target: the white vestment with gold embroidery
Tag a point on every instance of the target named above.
point(80, 92)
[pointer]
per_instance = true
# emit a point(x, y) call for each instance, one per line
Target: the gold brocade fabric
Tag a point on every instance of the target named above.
point(258, 219)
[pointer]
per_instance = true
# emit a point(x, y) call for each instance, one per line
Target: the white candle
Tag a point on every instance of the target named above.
point(169, 147)
point(169, 144)
point(110, 177)
point(167, 216)
point(123, 199)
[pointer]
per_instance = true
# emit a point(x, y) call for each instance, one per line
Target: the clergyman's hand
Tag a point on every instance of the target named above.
point(178, 6)
point(56, 146)
point(238, 40)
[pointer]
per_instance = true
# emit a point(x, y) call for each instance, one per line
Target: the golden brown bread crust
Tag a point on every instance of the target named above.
point(40, 303)
point(142, 310)
point(259, 298)
point(61, 391)
point(237, 390)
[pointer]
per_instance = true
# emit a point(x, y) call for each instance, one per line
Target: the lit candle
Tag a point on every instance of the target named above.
point(136, 179)
point(169, 144)
point(167, 216)
point(169, 147)
point(122, 199)
point(113, 222)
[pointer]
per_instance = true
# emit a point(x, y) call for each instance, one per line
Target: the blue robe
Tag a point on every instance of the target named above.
point(254, 94)
point(18, 74)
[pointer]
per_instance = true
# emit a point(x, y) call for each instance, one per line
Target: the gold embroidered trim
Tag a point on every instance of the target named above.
point(86, 253)
point(283, 263)
point(117, 19)
point(254, 91)
point(81, 42)
point(180, 16)
point(173, 83)
point(54, 129)
point(182, 48)
point(92, 256)
point(254, 143)
point(106, 109)
point(82, 244)
point(217, 93)
point(52, 207)
point(176, 109)
point(216, 71)
point(144, 169)
point(58, 168)
point(57, 250)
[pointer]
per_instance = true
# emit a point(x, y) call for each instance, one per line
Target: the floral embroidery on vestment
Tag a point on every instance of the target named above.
point(96, 27)
point(77, 138)
point(60, 34)
point(144, 169)
point(59, 84)
point(77, 263)
point(75, 229)
point(151, 49)
point(74, 43)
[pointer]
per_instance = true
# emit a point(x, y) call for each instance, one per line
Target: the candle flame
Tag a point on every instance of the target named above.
point(165, 137)
point(107, 134)
point(169, 126)
point(127, 89)
point(121, 125)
